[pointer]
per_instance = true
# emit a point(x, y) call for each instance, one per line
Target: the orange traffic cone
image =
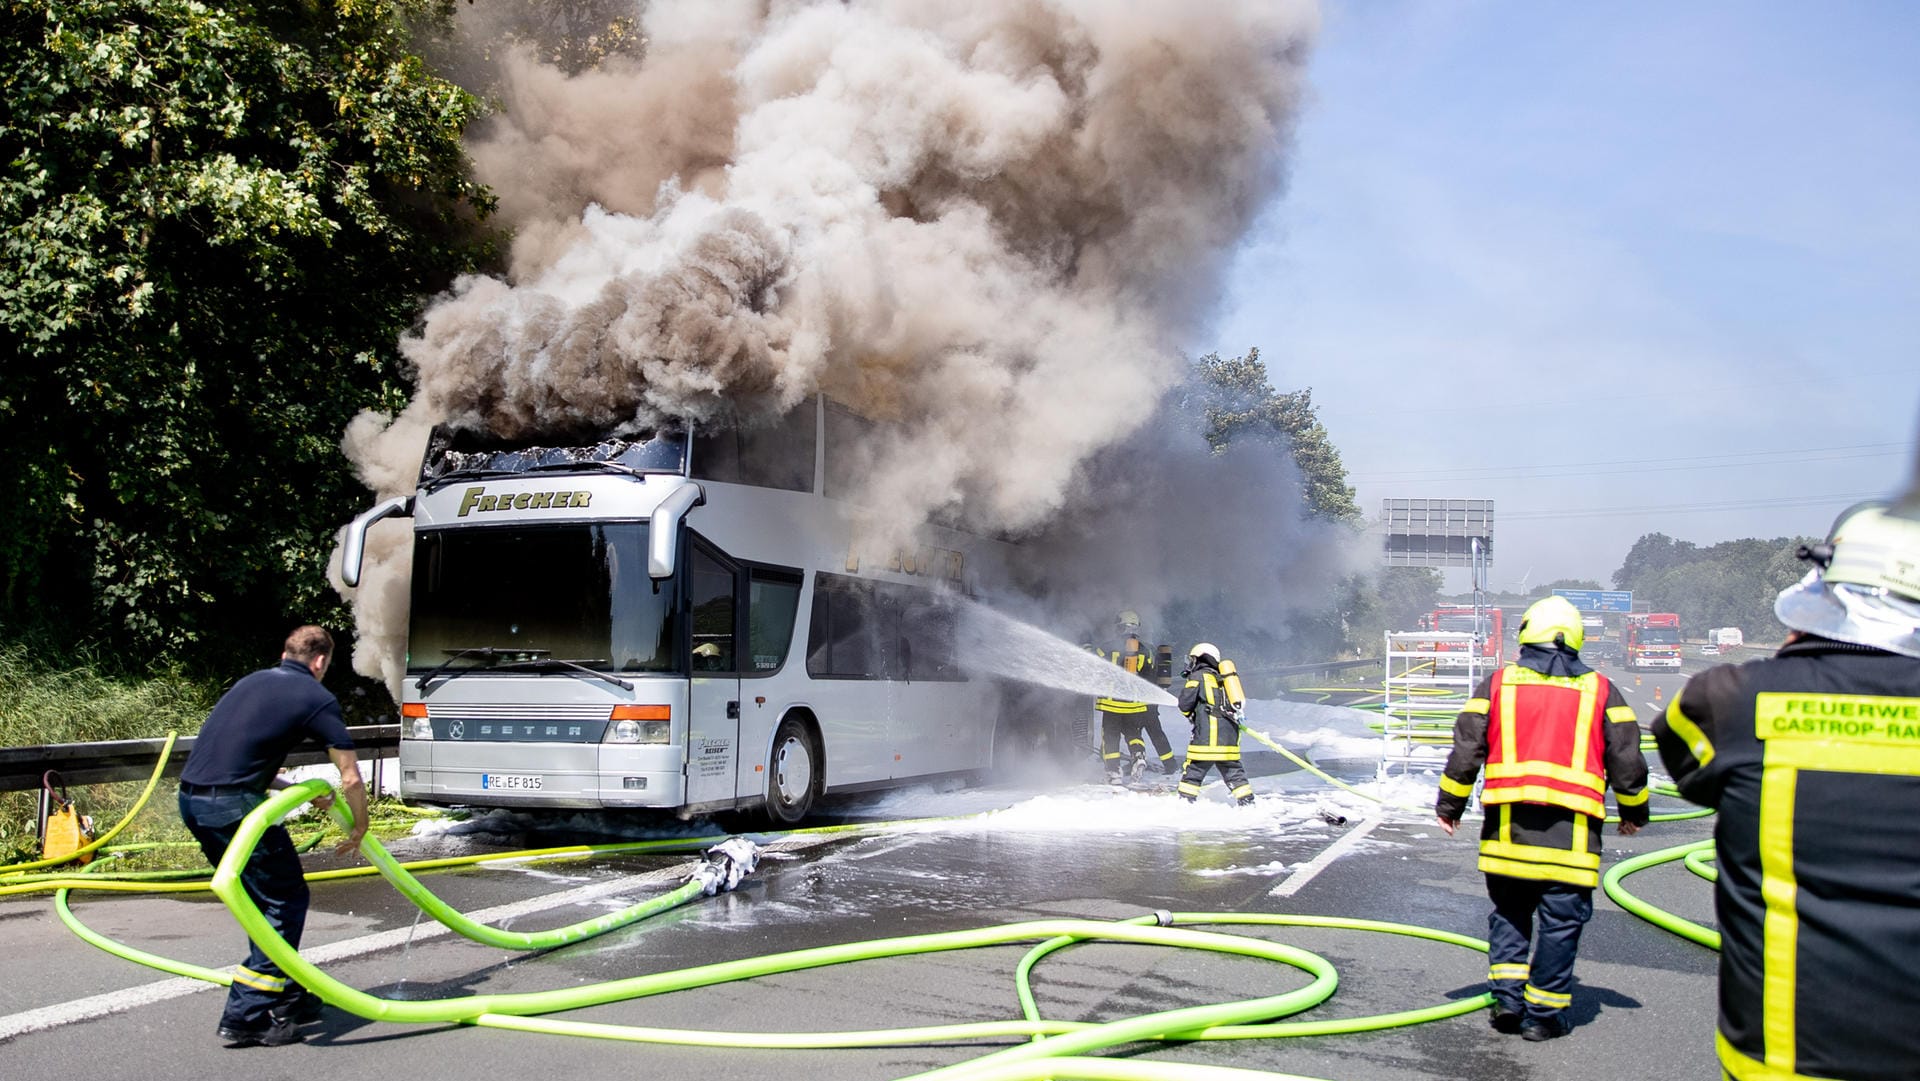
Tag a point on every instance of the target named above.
point(1657, 692)
point(1636, 681)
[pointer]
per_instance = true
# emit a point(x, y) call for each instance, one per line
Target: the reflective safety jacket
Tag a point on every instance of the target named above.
point(1812, 758)
point(1552, 744)
point(1216, 726)
point(1137, 662)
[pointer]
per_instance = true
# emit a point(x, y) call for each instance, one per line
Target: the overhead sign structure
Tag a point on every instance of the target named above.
point(1438, 532)
point(1598, 600)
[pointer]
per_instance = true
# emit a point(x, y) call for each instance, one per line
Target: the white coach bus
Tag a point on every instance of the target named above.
point(685, 625)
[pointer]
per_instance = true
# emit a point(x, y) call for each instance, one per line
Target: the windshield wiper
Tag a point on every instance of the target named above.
point(488, 654)
point(476, 473)
point(586, 466)
point(572, 666)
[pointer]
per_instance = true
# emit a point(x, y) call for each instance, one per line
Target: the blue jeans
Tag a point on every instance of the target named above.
point(273, 879)
point(1542, 987)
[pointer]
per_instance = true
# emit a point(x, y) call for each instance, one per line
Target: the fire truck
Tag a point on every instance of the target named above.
point(1459, 618)
point(1652, 640)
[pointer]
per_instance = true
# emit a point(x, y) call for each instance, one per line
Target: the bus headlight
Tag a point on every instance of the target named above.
point(638, 732)
point(639, 724)
point(413, 721)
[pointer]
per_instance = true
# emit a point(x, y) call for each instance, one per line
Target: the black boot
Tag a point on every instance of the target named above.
point(1535, 1029)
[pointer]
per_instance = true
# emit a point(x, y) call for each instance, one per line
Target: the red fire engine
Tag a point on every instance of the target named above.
point(1652, 640)
point(1459, 618)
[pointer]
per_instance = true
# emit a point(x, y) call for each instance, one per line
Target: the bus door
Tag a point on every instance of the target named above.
point(713, 699)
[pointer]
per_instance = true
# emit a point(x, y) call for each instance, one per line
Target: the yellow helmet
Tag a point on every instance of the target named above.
point(1552, 616)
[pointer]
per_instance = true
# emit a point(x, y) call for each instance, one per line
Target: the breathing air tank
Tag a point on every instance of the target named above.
point(1230, 680)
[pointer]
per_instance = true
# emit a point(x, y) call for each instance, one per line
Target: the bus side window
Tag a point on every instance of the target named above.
point(710, 603)
point(716, 455)
point(772, 602)
point(780, 455)
point(930, 628)
point(846, 640)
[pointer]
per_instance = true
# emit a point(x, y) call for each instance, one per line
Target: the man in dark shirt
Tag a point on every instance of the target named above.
point(236, 760)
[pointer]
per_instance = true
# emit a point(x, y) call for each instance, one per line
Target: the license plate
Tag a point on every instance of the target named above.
point(522, 781)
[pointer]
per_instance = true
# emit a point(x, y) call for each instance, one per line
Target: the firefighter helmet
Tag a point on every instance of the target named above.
point(1205, 652)
point(1550, 617)
point(1865, 583)
point(1128, 620)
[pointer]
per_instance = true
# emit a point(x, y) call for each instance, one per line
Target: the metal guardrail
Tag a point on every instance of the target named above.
point(21, 768)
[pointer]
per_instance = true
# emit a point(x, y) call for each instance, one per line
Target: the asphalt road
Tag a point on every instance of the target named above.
point(1644, 1003)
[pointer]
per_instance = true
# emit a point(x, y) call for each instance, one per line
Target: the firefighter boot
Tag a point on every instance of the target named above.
point(1536, 1029)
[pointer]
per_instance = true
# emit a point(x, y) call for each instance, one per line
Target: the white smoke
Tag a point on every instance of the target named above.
point(990, 222)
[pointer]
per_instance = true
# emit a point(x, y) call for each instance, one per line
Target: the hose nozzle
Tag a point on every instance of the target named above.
point(727, 863)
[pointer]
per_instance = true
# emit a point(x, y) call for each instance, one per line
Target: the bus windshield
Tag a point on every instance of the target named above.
point(1659, 636)
point(454, 454)
point(577, 592)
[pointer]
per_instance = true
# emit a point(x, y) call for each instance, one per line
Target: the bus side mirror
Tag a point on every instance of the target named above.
point(353, 546)
point(663, 528)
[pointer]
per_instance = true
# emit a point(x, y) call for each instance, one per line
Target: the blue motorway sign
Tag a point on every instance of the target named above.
point(1598, 600)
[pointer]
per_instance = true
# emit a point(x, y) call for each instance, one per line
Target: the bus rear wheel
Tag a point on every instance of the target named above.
point(792, 774)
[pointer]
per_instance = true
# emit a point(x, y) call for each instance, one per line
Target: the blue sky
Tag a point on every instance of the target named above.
point(1620, 268)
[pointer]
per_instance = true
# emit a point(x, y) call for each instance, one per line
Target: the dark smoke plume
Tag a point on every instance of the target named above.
point(994, 223)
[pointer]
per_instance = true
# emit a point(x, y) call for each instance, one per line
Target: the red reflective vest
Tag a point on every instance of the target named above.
point(1546, 740)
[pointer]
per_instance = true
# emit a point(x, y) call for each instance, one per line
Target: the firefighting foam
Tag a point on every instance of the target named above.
point(993, 224)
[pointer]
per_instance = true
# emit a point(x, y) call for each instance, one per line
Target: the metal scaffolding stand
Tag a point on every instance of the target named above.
point(1429, 677)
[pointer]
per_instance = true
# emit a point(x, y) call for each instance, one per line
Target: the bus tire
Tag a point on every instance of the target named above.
point(793, 773)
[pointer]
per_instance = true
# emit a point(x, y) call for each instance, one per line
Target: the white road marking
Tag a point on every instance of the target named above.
point(86, 1009)
point(1334, 851)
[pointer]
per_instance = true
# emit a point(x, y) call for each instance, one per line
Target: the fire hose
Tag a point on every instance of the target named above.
point(1055, 1048)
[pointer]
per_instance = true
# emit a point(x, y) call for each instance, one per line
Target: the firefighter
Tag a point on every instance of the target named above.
point(1122, 720)
point(1213, 704)
point(236, 761)
point(1554, 734)
point(1812, 758)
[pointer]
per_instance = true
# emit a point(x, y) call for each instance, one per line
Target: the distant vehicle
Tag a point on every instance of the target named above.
point(1725, 637)
point(1459, 618)
point(1652, 640)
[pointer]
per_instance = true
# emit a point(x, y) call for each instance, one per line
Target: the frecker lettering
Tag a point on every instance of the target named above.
point(475, 500)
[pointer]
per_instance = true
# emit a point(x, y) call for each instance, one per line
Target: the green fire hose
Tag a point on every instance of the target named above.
point(1054, 1048)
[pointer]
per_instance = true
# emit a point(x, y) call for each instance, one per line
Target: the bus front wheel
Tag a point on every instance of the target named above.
point(792, 774)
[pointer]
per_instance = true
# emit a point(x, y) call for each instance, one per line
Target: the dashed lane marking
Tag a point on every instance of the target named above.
point(1334, 851)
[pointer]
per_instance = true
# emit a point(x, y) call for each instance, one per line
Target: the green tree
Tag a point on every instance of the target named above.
point(1649, 555)
point(571, 35)
point(1399, 597)
point(218, 222)
point(1241, 404)
point(1569, 583)
point(1730, 584)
